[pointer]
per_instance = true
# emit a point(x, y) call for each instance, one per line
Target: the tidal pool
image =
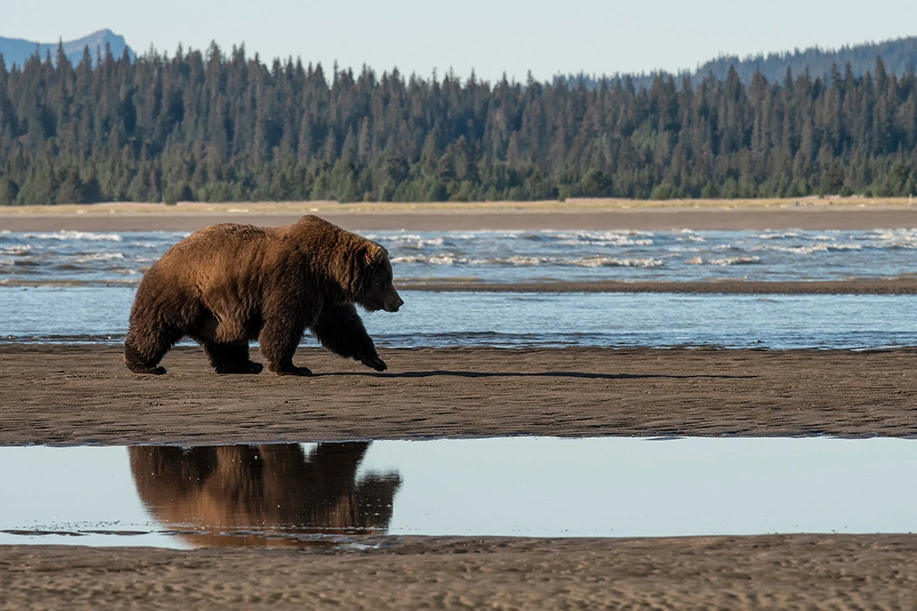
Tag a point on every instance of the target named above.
point(337, 493)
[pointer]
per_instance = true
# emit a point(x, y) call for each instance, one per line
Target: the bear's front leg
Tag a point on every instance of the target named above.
point(340, 329)
point(147, 342)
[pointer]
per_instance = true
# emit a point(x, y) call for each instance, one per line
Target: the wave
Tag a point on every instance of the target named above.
point(599, 261)
point(724, 261)
point(605, 238)
point(903, 239)
point(533, 261)
point(410, 240)
point(566, 238)
point(71, 282)
point(777, 235)
point(735, 261)
point(75, 235)
point(814, 248)
point(17, 250)
point(690, 237)
point(100, 256)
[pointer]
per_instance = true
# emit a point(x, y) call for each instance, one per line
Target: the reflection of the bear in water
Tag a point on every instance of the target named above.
point(264, 495)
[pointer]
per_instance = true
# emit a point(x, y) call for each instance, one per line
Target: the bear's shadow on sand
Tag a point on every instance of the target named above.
point(535, 374)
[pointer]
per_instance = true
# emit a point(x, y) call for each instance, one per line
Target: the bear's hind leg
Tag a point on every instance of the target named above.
point(231, 357)
point(279, 340)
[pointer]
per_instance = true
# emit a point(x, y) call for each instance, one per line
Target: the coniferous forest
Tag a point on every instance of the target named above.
point(209, 126)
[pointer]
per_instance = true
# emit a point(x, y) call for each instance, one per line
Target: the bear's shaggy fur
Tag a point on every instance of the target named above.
point(228, 284)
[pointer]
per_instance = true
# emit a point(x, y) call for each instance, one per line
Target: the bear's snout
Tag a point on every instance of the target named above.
point(392, 303)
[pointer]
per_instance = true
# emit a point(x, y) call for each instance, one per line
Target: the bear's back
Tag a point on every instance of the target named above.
point(214, 254)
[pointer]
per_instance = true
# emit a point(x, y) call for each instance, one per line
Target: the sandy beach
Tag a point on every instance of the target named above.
point(71, 395)
point(808, 213)
point(771, 572)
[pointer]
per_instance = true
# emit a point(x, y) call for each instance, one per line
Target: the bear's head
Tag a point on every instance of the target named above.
point(373, 287)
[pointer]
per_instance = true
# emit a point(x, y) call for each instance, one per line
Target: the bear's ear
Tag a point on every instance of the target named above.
point(373, 253)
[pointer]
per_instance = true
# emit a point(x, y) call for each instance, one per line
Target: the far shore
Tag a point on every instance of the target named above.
point(599, 214)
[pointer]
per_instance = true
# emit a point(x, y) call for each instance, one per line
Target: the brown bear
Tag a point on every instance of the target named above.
point(228, 284)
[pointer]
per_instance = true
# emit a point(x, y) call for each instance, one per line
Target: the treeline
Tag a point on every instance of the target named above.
point(214, 127)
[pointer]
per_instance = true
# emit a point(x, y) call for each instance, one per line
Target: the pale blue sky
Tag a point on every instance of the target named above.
point(491, 36)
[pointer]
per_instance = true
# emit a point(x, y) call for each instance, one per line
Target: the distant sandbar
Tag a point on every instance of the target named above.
point(809, 213)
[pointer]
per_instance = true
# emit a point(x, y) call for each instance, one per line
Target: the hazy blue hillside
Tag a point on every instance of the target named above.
point(899, 57)
point(16, 51)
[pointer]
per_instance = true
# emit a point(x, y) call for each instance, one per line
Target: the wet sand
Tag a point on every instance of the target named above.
point(772, 572)
point(65, 395)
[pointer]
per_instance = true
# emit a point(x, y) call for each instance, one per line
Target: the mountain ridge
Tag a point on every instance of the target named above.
point(17, 51)
point(899, 55)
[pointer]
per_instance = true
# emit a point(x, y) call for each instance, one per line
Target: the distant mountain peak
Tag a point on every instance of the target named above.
point(17, 51)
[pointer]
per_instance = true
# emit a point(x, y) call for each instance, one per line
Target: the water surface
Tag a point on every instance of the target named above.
point(66, 258)
point(71, 286)
point(291, 494)
point(431, 319)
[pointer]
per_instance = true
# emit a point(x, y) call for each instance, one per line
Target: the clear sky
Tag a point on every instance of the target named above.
point(491, 36)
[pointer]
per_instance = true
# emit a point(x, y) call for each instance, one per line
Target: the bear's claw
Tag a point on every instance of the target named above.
point(155, 371)
point(294, 371)
point(374, 362)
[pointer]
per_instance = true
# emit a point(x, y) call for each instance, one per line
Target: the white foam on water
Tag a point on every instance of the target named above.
point(599, 261)
point(777, 235)
point(101, 256)
point(735, 261)
point(19, 249)
point(75, 236)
